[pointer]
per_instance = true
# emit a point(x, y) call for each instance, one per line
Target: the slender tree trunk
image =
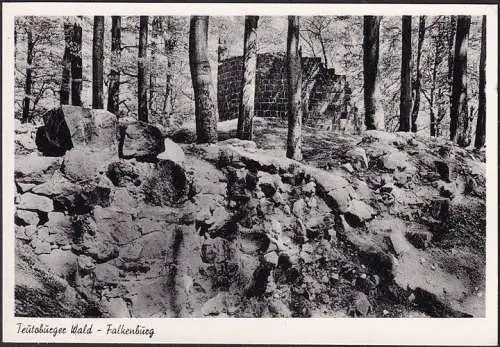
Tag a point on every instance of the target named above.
point(66, 72)
point(416, 102)
point(433, 124)
point(481, 110)
point(245, 119)
point(201, 76)
point(29, 82)
point(405, 99)
point(323, 49)
point(114, 75)
point(97, 63)
point(169, 46)
point(155, 30)
point(294, 83)
point(451, 53)
point(374, 117)
point(76, 66)
point(142, 70)
point(459, 118)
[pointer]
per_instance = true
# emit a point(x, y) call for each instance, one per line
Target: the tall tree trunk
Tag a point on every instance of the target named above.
point(481, 110)
point(323, 49)
point(294, 84)
point(169, 46)
point(76, 65)
point(155, 31)
point(97, 63)
point(114, 75)
point(433, 124)
point(405, 99)
point(28, 82)
point(66, 72)
point(142, 70)
point(245, 119)
point(201, 76)
point(416, 102)
point(374, 116)
point(459, 118)
point(451, 53)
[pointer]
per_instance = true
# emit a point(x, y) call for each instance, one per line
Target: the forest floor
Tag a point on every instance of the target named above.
point(377, 225)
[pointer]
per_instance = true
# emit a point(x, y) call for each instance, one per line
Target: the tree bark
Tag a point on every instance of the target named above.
point(97, 63)
point(169, 47)
point(29, 82)
point(433, 123)
point(76, 66)
point(142, 70)
point(480, 139)
point(246, 114)
point(114, 75)
point(405, 99)
point(459, 118)
point(66, 72)
point(294, 83)
point(416, 102)
point(374, 117)
point(201, 76)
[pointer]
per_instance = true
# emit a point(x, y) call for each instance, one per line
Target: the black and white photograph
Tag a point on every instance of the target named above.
point(250, 166)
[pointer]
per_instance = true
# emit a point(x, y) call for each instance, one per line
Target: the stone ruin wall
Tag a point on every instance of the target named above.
point(326, 95)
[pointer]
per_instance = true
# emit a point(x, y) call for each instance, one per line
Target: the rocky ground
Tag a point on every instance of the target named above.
point(124, 223)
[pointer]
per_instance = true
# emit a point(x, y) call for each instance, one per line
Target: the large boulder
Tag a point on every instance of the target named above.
point(172, 152)
point(86, 163)
point(141, 141)
point(34, 202)
point(69, 126)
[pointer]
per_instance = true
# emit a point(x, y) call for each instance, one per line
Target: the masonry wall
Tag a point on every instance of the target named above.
point(325, 94)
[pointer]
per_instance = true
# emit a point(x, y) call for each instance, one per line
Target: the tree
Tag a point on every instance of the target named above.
point(481, 110)
point(97, 63)
point(201, 76)
point(76, 65)
point(142, 70)
point(459, 118)
point(114, 75)
point(416, 101)
point(29, 69)
point(294, 83)
point(66, 73)
point(246, 112)
point(405, 99)
point(374, 117)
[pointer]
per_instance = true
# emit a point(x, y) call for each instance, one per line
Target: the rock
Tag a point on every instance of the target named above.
point(26, 217)
point(213, 306)
point(361, 304)
point(116, 308)
point(86, 163)
point(40, 246)
point(298, 208)
point(122, 173)
point(267, 183)
point(85, 264)
point(172, 152)
point(141, 141)
point(357, 157)
point(54, 138)
point(148, 225)
point(24, 187)
point(90, 127)
point(358, 213)
point(62, 263)
point(338, 199)
point(271, 258)
point(30, 201)
point(34, 168)
point(440, 210)
point(166, 184)
point(56, 185)
point(116, 224)
point(106, 274)
point(215, 251)
point(396, 161)
point(122, 200)
point(25, 144)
